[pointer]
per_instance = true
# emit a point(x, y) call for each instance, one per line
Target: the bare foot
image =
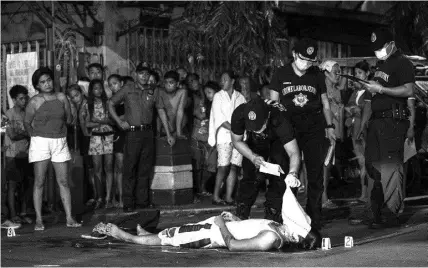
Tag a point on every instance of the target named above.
point(114, 231)
point(141, 231)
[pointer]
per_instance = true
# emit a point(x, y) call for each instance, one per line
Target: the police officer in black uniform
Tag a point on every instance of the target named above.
point(301, 88)
point(388, 99)
point(269, 136)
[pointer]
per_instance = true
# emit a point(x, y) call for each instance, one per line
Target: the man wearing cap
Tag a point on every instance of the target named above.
point(388, 99)
point(140, 101)
point(301, 88)
point(269, 136)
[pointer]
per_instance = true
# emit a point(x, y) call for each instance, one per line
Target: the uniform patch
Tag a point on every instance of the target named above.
point(310, 50)
point(252, 116)
point(373, 37)
point(300, 100)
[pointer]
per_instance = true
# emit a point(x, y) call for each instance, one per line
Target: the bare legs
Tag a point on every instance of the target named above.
point(118, 174)
point(143, 237)
point(221, 175)
point(98, 170)
point(230, 184)
point(61, 170)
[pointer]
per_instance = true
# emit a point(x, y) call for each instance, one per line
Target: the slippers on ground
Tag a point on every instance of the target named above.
point(219, 203)
point(231, 203)
point(206, 194)
point(26, 219)
point(74, 225)
point(39, 227)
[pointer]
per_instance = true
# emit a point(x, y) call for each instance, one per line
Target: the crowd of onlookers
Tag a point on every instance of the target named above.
point(90, 120)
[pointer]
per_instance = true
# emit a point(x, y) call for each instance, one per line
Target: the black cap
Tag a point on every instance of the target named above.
point(379, 38)
point(307, 49)
point(256, 112)
point(142, 66)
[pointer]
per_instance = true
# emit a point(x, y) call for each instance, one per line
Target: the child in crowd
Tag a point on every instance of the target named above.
point(97, 119)
point(171, 108)
point(204, 156)
point(78, 101)
point(115, 83)
point(18, 170)
point(96, 71)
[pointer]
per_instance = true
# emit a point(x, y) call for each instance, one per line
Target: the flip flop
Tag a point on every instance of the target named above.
point(27, 219)
point(74, 225)
point(219, 203)
point(16, 219)
point(39, 227)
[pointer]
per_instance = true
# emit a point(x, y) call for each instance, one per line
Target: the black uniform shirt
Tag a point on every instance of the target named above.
point(278, 127)
point(394, 72)
point(299, 94)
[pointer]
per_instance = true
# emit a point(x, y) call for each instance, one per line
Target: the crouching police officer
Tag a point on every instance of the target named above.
point(269, 136)
point(388, 98)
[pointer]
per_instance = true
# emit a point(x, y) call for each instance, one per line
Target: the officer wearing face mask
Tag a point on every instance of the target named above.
point(301, 88)
point(389, 105)
point(270, 136)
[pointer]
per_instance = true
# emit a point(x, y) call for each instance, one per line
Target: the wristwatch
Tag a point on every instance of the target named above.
point(294, 173)
point(331, 126)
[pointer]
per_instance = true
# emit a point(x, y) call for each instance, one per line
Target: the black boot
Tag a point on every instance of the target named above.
point(376, 206)
point(273, 214)
point(243, 211)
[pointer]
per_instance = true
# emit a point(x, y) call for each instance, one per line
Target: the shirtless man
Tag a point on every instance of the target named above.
point(171, 107)
point(223, 231)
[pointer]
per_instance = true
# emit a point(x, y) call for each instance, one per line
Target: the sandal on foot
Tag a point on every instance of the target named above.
point(329, 205)
point(219, 203)
point(74, 225)
point(39, 227)
point(16, 219)
point(26, 219)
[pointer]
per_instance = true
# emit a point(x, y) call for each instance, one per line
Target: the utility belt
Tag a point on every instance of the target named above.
point(140, 127)
point(398, 112)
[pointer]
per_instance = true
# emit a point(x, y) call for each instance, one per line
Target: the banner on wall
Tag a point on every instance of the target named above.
point(19, 70)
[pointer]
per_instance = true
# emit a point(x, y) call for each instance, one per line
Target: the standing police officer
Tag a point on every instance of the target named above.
point(391, 94)
point(269, 135)
point(301, 88)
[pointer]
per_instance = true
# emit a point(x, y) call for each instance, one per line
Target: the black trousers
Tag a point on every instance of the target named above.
point(137, 167)
point(310, 133)
point(249, 186)
point(384, 163)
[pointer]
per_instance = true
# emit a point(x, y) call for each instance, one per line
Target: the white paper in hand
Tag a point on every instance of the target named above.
point(270, 168)
point(293, 215)
point(409, 149)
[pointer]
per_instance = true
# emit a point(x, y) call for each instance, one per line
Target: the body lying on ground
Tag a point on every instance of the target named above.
point(223, 231)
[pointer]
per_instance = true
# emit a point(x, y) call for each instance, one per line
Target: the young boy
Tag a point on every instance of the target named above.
point(171, 108)
point(18, 170)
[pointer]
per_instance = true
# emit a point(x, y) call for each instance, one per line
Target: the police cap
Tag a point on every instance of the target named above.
point(379, 38)
point(256, 112)
point(307, 49)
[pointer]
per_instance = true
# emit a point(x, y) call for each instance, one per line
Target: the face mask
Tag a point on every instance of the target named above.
point(382, 54)
point(301, 64)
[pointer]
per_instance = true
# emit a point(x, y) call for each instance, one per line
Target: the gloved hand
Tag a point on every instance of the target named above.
point(292, 181)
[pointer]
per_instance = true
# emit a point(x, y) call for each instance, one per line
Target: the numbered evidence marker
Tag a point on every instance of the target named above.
point(10, 232)
point(349, 242)
point(326, 244)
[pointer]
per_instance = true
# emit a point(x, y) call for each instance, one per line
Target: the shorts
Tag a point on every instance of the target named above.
point(48, 148)
point(18, 169)
point(119, 142)
point(100, 145)
point(203, 234)
point(227, 155)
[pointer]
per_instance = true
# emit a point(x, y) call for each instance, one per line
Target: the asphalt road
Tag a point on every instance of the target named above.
point(60, 246)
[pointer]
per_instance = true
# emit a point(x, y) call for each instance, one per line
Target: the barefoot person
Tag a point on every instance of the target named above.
point(223, 231)
point(46, 116)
